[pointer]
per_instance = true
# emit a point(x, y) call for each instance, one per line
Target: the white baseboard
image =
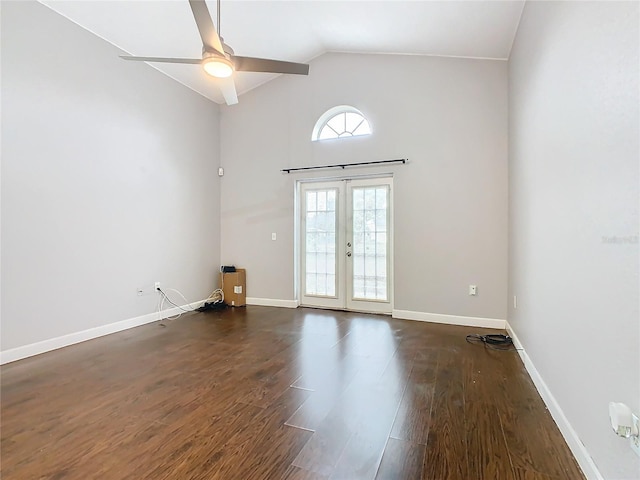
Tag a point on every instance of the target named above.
point(272, 302)
point(450, 319)
point(37, 348)
point(578, 449)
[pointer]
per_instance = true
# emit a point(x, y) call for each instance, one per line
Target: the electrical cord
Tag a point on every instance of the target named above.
point(173, 303)
point(217, 296)
point(493, 341)
point(161, 300)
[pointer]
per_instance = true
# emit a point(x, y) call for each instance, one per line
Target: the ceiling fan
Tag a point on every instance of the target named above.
point(219, 60)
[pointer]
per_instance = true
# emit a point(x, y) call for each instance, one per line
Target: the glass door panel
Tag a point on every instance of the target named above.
point(368, 267)
point(320, 236)
point(321, 216)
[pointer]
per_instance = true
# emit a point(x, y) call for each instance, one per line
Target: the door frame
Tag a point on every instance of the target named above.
point(298, 263)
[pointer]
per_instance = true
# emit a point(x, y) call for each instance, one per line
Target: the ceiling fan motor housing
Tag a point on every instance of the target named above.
point(207, 53)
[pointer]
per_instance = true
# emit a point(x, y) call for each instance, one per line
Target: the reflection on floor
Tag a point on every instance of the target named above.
point(270, 393)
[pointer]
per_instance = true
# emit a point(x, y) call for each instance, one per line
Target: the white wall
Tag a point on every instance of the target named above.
point(108, 181)
point(448, 116)
point(573, 182)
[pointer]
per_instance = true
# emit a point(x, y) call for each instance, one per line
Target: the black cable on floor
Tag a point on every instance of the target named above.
point(494, 341)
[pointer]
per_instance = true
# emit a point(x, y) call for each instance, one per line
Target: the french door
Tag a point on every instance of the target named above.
point(346, 244)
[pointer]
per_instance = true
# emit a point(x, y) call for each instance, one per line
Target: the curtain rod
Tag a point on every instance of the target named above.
point(343, 165)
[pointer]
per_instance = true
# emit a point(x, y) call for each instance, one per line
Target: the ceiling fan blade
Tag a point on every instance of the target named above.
point(210, 38)
point(228, 89)
point(249, 64)
point(194, 61)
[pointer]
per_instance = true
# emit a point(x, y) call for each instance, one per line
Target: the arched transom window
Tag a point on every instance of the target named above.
point(341, 121)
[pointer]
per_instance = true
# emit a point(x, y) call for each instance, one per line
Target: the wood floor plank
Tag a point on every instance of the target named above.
point(208, 396)
point(525, 412)
point(243, 451)
point(297, 473)
point(401, 459)
point(414, 415)
point(363, 452)
point(446, 450)
point(320, 366)
point(347, 443)
point(379, 391)
point(523, 474)
point(487, 452)
point(321, 453)
point(258, 462)
point(327, 391)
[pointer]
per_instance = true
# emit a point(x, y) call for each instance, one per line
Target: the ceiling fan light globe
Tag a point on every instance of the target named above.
point(217, 67)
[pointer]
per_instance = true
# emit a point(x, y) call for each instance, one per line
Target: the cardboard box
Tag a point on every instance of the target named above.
point(234, 286)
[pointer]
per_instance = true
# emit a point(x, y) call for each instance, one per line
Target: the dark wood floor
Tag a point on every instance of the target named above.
point(268, 393)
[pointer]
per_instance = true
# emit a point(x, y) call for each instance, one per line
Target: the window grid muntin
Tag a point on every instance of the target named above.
point(370, 243)
point(339, 122)
point(320, 242)
point(343, 131)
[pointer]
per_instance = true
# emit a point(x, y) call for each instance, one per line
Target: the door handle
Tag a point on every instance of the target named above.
point(348, 254)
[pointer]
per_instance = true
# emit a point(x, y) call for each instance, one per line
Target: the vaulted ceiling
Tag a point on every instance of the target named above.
point(298, 30)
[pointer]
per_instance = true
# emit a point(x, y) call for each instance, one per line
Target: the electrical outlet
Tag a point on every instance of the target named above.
point(635, 439)
point(473, 290)
point(273, 236)
point(157, 286)
point(515, 302)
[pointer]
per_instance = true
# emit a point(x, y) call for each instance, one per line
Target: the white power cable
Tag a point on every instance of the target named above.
point(163, 298)
point(217, 296)
point(175, 304)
